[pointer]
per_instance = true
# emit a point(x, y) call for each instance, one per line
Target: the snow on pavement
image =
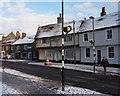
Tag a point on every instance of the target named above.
point(8, 90)
point(77, 90)
point(68, 89)
point(18, 73)
point(79, 67)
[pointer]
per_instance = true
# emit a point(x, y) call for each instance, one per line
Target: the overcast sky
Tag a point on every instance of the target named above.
point(26, 16)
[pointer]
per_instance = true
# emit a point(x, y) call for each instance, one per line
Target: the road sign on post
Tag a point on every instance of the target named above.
point(62, 48)
point(92, 41)
point(67, 29)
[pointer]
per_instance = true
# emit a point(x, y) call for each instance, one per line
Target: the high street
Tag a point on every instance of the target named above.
point(107, 84)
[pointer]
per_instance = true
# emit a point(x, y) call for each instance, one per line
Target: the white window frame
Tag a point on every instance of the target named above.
point(107, 34)
point(69, 38)
point(18, 47)
point(7, 48)
point(108, 52)
point(25, 47)
point(85, 52)
point(84, 39)
point(12, 48)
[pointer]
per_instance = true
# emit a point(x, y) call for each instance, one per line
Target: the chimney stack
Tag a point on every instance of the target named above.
point(59, 19)
point(3, 38)
point(84, 18)
point(23, 35)
point(17, 35)
point(103, 11)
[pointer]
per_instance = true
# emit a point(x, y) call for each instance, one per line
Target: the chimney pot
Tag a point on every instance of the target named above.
point(17, 35)
point(84, 18)
point(23, 35)
point(103, 11)
point(59, 19)
point(60, 15)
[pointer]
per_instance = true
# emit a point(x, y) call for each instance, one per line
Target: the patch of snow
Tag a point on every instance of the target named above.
point(108, 20)
point(56, 29)
point(76, 90)
point(27, 76)
point(8, 90)
point(79, 67)
point(25, 40)
point(17, 60)
point(68, 89)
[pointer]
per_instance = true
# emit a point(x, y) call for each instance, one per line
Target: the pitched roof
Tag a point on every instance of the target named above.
point(108, 20)
point(101, 22)
point(55, 29)
point(25, 40)
point(10, 40)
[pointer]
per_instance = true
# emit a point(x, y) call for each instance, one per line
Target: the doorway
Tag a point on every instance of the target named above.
point(29, 55)
point(57, 56)
point(99, 56)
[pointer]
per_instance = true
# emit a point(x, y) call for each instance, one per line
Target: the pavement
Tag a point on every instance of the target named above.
point(77, 67)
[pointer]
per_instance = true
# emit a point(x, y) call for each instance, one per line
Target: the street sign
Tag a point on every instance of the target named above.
point(92, 41)
point(67, 29)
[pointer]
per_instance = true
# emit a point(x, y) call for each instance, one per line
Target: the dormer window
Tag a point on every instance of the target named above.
point(109, 34)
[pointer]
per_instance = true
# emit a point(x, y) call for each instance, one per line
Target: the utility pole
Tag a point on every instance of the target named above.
point(5, 49)
point(74, 42)
point(94, 54)
point(62, 48)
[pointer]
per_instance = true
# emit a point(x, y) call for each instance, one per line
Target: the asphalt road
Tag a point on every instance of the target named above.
point(24, 85)
point(106, 84)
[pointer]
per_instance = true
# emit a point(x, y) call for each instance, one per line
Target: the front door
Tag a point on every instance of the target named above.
point(29, 55)
point(99, 56)
point(57, 56)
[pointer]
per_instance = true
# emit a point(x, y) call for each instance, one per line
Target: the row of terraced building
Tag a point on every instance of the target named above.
point(47, 42)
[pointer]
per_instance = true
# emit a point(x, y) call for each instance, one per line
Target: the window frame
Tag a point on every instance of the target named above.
point(108, 52)
point(25, 47)
point(84, 37)
point(69, 38)
point(107, 34)
point(18, 47)
point(86, 53)
point(7, 48)
point(44, 41)
point(12, 48)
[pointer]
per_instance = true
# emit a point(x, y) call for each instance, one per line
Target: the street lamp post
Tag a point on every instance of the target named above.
point(94, 54)
point(62, 47)
point(74, 42)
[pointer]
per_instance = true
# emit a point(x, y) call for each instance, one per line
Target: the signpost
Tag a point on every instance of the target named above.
point(67, 30)
point(93, 43)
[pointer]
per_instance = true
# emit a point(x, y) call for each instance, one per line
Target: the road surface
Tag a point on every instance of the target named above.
point(106, 84)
